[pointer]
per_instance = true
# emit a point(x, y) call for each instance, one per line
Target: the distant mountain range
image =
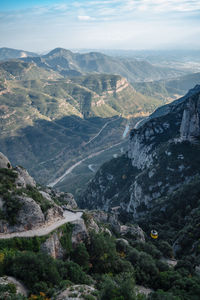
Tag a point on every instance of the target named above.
point(9, 53)
point(168, 89)
point(68, 63)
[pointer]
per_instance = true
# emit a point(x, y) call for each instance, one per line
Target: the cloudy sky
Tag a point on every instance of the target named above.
point(40, 25)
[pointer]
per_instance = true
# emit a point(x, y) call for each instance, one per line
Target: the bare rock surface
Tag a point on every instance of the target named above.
point(21, 289)
point(134, 231)
point(23, 178)
point(53, 247)
point(4, 162)
point(76, 292)
point(190, 124)
point(54, 213)
point(68, 198)
point(79, 232)
point(30, 214)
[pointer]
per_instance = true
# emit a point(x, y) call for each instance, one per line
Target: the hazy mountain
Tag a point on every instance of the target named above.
point(68, 63)
point(9, 53)
point(168, 89)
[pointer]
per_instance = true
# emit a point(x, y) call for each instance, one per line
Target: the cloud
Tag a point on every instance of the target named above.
point(107, 24)
point(86, 18)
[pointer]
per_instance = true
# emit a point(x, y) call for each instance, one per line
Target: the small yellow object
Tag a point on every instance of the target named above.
point(2, 256)
point(154, 234)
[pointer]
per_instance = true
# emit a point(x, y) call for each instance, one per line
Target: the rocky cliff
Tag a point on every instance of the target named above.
point(23, 204)
point(162, 156)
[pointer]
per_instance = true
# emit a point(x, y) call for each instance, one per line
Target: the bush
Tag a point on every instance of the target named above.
point(121, 287)
point(81, 256)
point(33, 269)
point(102, 253)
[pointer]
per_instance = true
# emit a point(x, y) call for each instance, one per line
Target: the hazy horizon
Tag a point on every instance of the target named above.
point(40, 26)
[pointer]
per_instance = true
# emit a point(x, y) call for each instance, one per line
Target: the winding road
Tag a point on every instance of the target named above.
point(45, 229)
point(104, 126)
point(68, 171)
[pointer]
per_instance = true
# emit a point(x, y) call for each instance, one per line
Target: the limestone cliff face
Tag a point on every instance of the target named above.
point(163, 156)
point(53, 247)
point(190, 124)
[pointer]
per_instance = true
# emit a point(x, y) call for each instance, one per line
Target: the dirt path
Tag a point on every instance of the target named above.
point(92, 139)
point(45, 229)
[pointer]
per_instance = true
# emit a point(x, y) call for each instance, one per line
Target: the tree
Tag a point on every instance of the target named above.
point(81, 256)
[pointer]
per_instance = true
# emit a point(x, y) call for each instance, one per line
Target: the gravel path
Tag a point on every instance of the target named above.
point(45, 229)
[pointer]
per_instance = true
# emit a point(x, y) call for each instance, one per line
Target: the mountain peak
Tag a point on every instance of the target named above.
point(59, 51)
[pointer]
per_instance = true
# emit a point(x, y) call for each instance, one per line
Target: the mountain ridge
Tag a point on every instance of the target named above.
point(10, 53)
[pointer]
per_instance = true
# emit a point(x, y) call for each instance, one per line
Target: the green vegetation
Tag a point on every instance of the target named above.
point(33, 193)
point(11, 204)
point(8, 291)
point(66, 238)
point(115, 267)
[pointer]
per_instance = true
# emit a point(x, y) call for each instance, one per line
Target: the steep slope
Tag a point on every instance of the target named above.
point(18, 70)
point(163, 159)
point(23, 205)
point(68, 63)
point(9, 53)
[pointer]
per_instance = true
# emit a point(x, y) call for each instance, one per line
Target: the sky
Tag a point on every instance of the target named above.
point(41, 25)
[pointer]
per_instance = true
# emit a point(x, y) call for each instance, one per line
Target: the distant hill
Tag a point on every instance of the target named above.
point(168, 89)
point(68, 63)
point(19, 70)
point(9, 53)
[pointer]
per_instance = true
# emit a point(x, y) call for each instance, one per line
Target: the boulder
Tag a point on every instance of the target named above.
point(134, 231)
point(4, 162)
point(79, 232)
point(20, 288)
point(30, 214)
point(53, 247)
point(54, 213)
point(24, 179)
point(76, 292)
point(69, 201)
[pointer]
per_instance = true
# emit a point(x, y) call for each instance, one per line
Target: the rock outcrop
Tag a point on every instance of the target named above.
point(76, 292)
point(31, 207)
point(190, 125)
point(4, 162)
point(79, 232)
point(53, 247)
point(133, 231)
point(20, 289)
point(30, 214)
point(23, 178)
